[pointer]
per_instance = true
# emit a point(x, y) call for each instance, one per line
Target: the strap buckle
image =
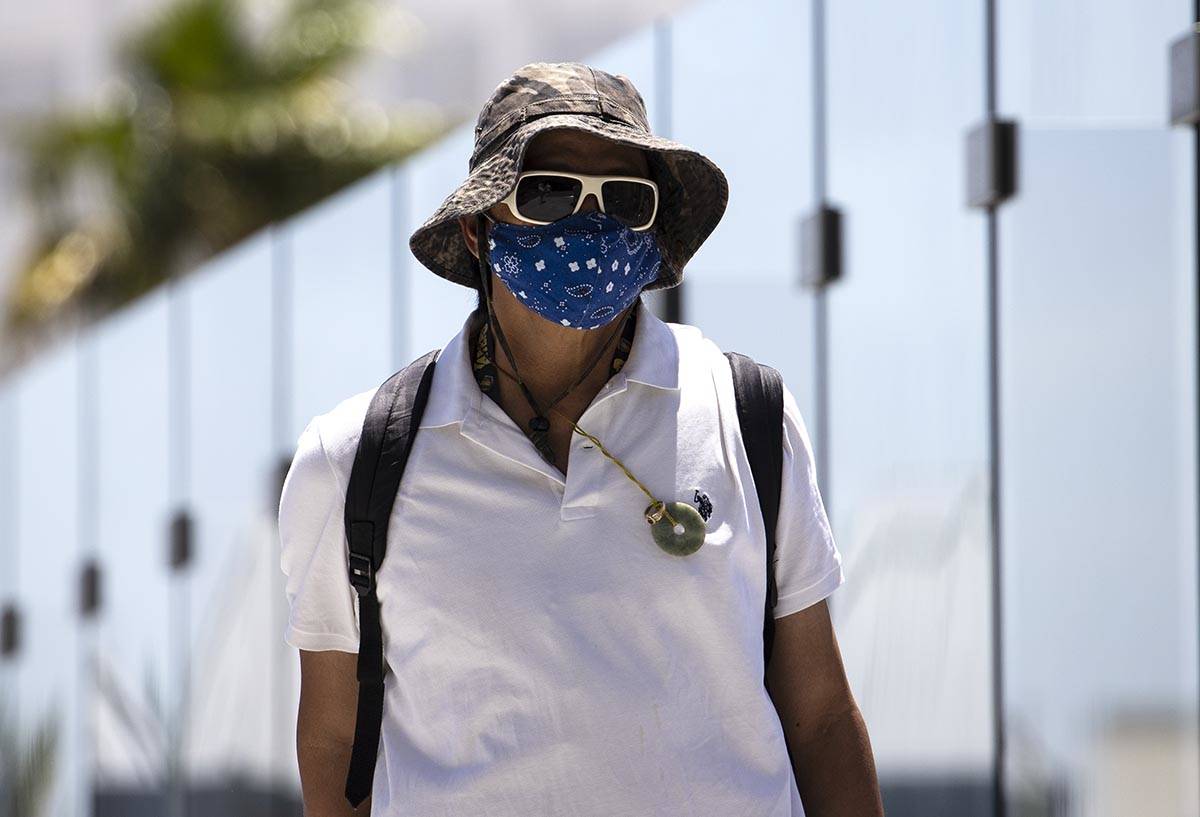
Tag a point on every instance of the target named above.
point(362, 576)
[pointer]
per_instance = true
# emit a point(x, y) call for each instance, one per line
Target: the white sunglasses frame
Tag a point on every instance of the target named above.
point(590, 184)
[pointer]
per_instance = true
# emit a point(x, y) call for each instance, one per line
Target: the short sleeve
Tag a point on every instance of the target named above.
point(808, 566)
point(323, 607)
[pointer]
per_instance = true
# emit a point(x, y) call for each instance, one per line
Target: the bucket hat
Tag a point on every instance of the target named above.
point(541, 96)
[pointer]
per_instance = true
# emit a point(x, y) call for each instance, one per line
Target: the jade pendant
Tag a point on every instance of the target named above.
point(678, 541)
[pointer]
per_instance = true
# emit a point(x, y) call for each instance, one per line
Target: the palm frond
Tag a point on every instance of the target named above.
point(210, 134)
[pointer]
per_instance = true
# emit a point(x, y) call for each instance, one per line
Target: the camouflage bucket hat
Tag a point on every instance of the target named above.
point(542, 96)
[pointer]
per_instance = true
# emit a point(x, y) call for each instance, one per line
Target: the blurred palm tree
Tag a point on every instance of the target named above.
point(213, 131)
point(26, 769)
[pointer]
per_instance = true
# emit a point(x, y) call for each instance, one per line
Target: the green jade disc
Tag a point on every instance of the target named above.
point(681, 543)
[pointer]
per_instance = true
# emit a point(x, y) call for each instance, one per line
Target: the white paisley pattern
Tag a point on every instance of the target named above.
point(591, 268)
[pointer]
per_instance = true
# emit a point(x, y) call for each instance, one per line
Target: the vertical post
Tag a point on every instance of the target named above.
point(999, 749)
point(86, 488)
point(664, 78)
point(281, 403)
point(179, 544)
point(10, 710)
point(991, 176)
point(1196, 306)
point(281, 337)
point(401, 293)
point(827, 237)
point(1184, 79)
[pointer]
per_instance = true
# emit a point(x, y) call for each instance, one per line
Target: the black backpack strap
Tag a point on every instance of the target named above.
point(759, 390)
point(387, 433)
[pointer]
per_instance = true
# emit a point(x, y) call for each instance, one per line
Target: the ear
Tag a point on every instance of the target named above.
point(467, 225)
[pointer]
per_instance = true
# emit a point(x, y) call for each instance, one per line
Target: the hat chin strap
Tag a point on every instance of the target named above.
point(483, 259)
point(480, 264)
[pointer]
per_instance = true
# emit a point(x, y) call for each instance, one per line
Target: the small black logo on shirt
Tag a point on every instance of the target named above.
point(702, 503)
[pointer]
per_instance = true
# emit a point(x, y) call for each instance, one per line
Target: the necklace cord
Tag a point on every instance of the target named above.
point(481, 239)
point(498, 332)
point(659, 503)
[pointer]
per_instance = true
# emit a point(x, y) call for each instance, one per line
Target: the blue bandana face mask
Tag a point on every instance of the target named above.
point(580, 271)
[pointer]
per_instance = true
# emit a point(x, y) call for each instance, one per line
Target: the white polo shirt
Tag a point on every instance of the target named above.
point(544, 656)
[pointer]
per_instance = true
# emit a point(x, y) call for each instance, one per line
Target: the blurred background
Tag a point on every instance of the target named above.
point(965, 230)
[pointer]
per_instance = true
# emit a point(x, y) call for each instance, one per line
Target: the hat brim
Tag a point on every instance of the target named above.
point(693, 194)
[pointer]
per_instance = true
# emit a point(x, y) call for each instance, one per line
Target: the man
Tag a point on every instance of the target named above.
point(548, 651)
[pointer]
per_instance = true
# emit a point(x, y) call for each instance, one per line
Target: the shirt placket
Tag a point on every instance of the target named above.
point(581, 489)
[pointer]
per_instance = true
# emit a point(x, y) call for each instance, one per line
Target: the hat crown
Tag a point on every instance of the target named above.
point(544, 88)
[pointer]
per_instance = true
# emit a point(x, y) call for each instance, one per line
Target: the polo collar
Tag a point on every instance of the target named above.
point(653, 361)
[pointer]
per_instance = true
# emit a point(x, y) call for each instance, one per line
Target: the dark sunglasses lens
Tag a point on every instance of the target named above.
point(631, 203)
point(546, 198)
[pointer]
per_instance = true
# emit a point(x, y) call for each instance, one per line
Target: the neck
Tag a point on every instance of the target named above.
point(550, 358)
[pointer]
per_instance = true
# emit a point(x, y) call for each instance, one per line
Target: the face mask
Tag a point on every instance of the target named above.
point(580, 271)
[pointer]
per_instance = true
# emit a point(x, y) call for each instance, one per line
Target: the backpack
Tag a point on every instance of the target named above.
point(387, 434)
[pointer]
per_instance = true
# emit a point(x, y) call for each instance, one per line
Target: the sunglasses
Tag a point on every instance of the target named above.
point(543, 196)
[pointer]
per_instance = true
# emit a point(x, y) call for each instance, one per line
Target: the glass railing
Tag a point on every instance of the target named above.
point(191, 400)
